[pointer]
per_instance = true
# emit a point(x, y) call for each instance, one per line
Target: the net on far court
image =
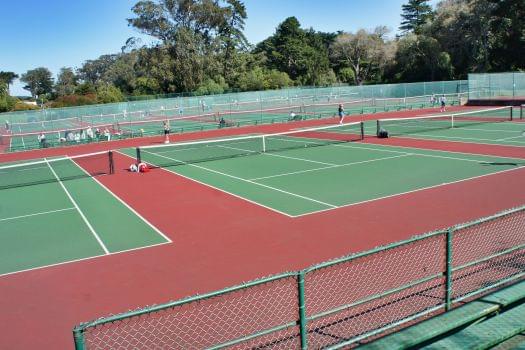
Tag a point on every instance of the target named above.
point(202, 151)
point(56, 169)
point(401, 126)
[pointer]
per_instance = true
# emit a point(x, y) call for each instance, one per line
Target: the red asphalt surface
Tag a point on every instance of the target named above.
point(220, 240)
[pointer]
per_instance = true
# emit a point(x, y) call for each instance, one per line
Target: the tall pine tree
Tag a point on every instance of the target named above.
point(414, 15)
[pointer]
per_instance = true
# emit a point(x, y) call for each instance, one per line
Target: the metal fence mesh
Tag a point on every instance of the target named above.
point(206, 322)
point(346, 301)
point(196, 113)
point(496, 85)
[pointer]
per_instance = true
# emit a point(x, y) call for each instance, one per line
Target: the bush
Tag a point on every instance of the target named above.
point(74, 100)
point(109, 94)
point(22, 106)
point(7, 103)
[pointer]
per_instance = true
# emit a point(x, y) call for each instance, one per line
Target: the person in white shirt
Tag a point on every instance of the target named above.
point(443, 102)
point(41, 139)
point(89, 133)
point(107, 134)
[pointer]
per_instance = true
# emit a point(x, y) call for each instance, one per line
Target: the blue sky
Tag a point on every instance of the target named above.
point(65, 33)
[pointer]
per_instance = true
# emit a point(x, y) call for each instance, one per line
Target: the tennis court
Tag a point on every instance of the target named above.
point(56, 211)
point(499, 126)
point(288, 172)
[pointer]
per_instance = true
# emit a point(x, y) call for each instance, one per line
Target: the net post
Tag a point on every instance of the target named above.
point(111, 163)
point(448, 271)
point(362, 128)
point(452, 121)
point(511, 113)
point(139, 158)
point(264, 144)
point(521, 111)
point(302, 310)
point(378, 127)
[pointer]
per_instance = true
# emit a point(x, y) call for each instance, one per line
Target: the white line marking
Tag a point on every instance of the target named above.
point(218, 189)
point(248, 181)
point(424, 149)
point(78, 209)
point(82, 259)
point(279, 156)
point(35, 214)
point(426, 138)
point(330, 167)
point(508, 138)
point(126, 205)
point(412, 191)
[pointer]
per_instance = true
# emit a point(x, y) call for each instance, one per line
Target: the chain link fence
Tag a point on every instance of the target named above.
point(138, 118)
point(337, 304)
point(486, 86)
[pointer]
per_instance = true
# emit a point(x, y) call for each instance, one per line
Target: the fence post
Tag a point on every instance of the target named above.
point(78, 336)
point(302, 310)
point(448, 272)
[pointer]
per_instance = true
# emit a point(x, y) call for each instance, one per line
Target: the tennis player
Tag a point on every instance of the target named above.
point(341, 113)
point(166, 126)
point(443, 102)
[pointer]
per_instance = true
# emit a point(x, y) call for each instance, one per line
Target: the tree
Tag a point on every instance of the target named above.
point(8, 78)
point(93, 71)
point(67, 82)
point(38, 81)
point(415, 14)
point(421, 58)
point(507, 25)
point(302, 54)
point(365, 53)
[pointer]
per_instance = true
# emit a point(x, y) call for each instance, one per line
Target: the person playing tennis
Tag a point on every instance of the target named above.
point(443, 102)
point(166, 126)
point(341, 113)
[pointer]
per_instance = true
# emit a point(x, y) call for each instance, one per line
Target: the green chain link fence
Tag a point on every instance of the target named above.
point(144, 117)
point(488, 86)
point(336, 304)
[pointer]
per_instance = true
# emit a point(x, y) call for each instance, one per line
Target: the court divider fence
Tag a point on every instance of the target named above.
point(335, 304)
point(486, 86)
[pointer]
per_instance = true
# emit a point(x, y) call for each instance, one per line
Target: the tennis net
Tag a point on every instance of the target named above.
point(56, 169)
point(215, 149)
point(401, 126)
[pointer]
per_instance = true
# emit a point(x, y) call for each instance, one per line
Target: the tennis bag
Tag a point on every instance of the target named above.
point(382, 134)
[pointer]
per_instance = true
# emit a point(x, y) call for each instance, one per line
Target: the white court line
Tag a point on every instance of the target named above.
point(81, 259)
point(218, 189)
point(125, 204)
point(248, 181)
point(35, 214)
point(429, 150)
point(508, 138)
point(280, 156)
point(458, 138)
point(330, 167)
point(411, 191)
point(78, 209)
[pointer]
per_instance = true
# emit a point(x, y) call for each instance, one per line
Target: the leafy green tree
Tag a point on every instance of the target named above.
point(67, 82)
point(365, 53)
point(93, 71)
point(8, 78)
point(38, 81)
point(507, 25)
point(107, 93)
point(415, 14)
point(300, 53)
point(121, 72)
point(421, 58)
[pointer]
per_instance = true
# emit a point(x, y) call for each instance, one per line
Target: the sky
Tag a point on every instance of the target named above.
point(65, 33)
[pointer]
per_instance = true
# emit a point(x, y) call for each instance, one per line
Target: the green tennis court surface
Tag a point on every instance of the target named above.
point(300, 180)
point(46, 221)
point(491, 126)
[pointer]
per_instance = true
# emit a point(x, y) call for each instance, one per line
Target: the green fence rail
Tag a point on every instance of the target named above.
point(335, 304)
point(496, 85)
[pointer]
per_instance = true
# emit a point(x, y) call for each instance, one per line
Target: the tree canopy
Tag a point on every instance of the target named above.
point(199, 46)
